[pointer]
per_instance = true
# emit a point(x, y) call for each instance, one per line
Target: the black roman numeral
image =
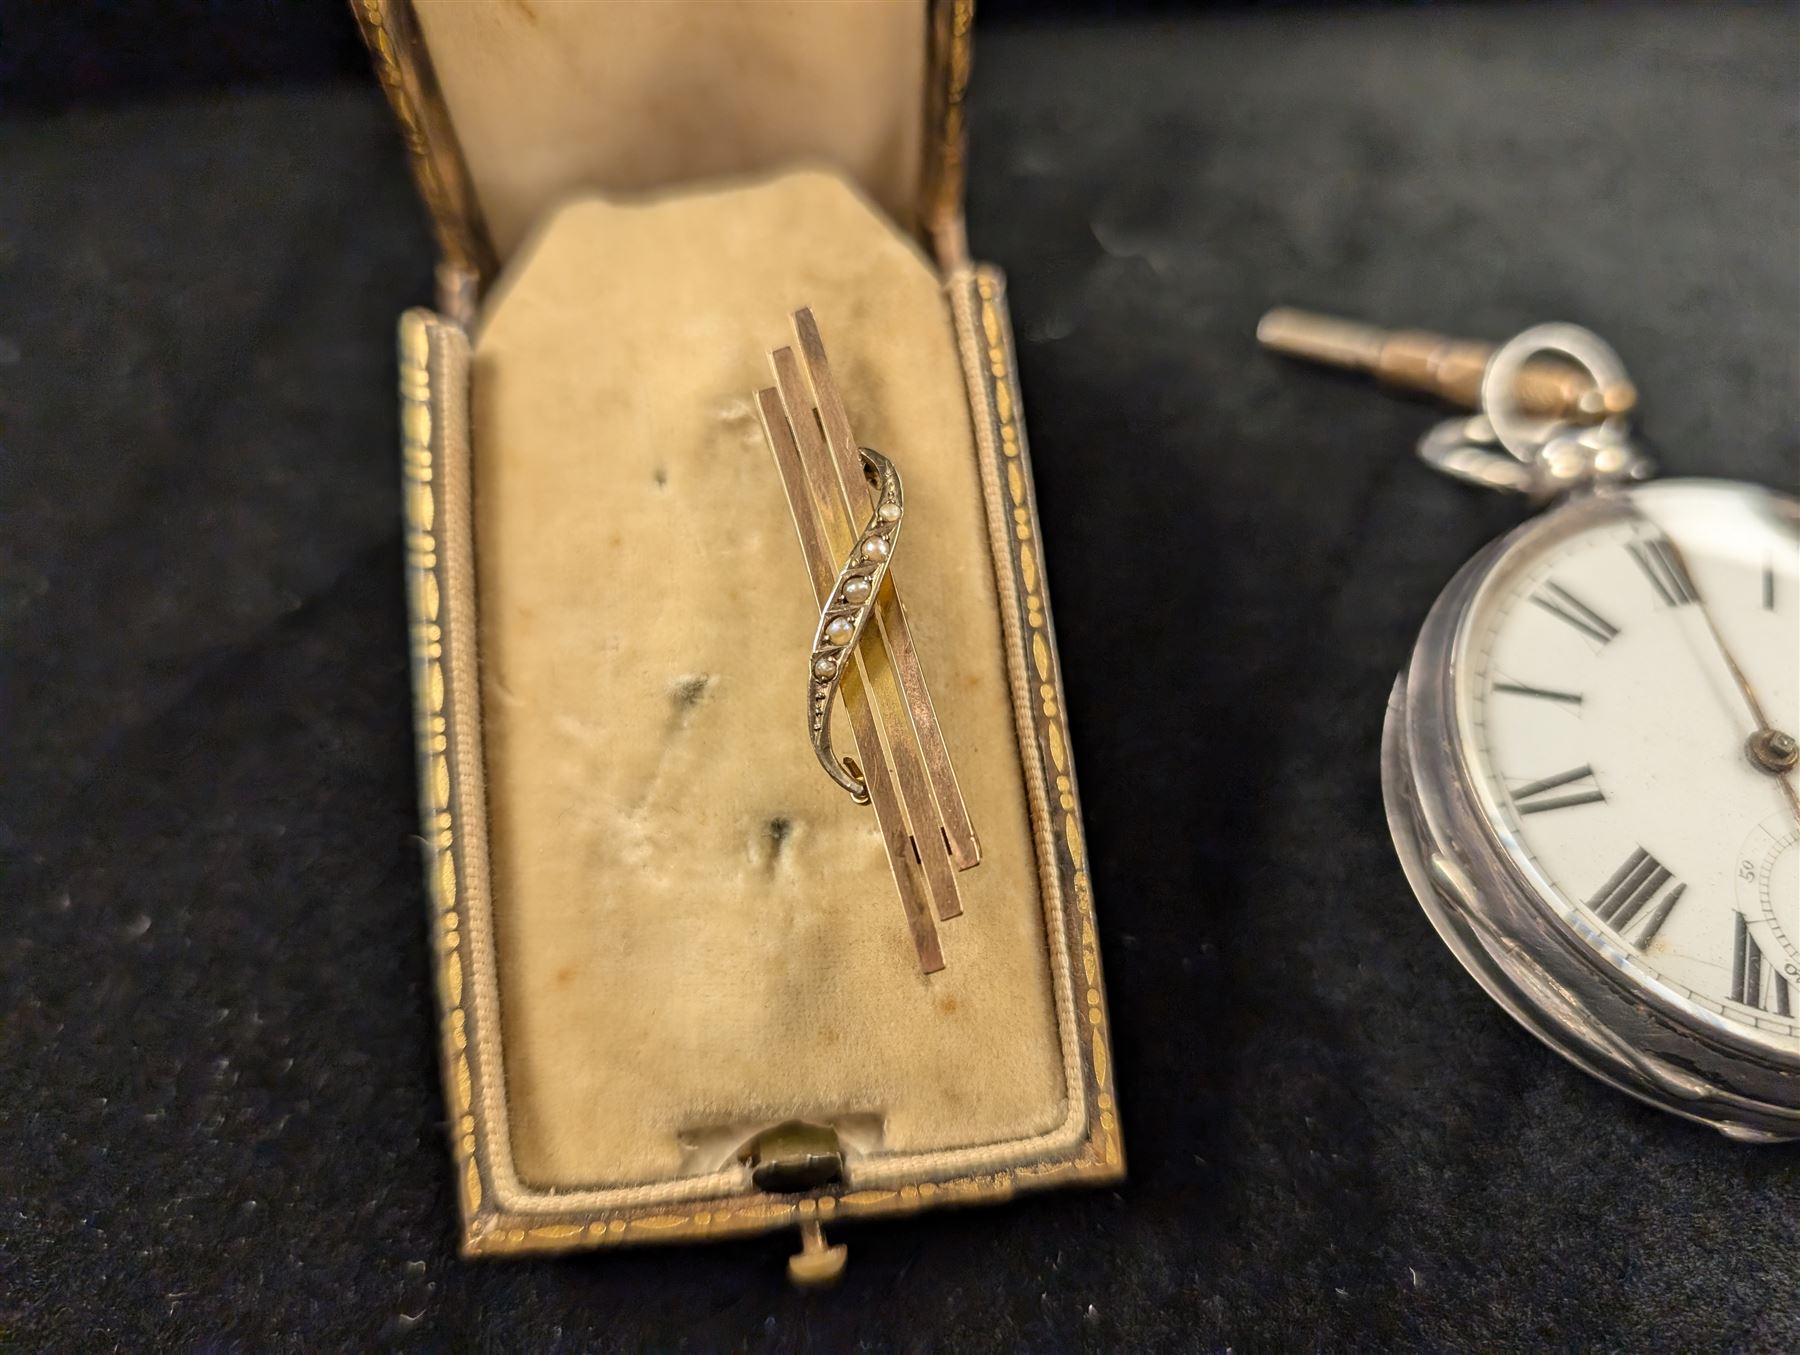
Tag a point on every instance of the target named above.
point(1561, 791)
point(1768, 582)
point(1750, 985)
point(1565, 606)
point(1633, 885)
point(1662, 566)
point(1541, 693)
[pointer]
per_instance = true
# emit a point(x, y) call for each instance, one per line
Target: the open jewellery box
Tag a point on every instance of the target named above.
point(679, 1000)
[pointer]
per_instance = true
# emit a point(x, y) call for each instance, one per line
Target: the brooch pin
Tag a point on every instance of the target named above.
point(848, 506)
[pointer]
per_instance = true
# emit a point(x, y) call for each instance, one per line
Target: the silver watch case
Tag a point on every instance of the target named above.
point(1578, 997)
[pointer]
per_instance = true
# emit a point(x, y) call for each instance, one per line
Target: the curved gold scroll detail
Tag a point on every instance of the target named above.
point(846, 614)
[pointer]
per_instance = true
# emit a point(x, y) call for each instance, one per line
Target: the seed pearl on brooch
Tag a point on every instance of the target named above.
point(825, 667)
point(856, 591)
point(839, 630)
point(888, 512)
point(875, 549)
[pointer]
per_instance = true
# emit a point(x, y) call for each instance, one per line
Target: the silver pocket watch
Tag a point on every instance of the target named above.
point(1589, 763)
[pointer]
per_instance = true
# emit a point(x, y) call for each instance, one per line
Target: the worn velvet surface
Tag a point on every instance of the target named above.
point(219, 1112)
point(673, 972)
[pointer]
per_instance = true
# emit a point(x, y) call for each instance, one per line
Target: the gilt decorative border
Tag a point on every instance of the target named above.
point(467, 262)
point(984, 335)
point(425, 600)
point(949, 53)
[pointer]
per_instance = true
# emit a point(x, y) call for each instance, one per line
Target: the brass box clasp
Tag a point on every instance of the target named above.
point(797, 1156)
point(794, 1156)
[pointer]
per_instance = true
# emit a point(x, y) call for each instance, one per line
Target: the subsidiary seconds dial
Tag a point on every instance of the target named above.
point(1629, 691)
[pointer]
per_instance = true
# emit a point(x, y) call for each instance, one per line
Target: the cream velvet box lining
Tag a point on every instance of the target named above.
point(551, 97)
point(697, 933)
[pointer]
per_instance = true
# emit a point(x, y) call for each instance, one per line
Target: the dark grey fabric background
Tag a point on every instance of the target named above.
point(219, 1112)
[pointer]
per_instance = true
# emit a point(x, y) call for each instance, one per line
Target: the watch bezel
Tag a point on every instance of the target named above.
point(1587, 998)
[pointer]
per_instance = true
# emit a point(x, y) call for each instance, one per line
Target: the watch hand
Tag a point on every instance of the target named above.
point(1769, 749)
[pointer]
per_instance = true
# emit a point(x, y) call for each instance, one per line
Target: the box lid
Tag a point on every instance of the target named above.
point(509, 107)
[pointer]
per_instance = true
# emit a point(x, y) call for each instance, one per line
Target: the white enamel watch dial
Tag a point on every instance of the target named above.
point(1609, 733)
point(1588, 772)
